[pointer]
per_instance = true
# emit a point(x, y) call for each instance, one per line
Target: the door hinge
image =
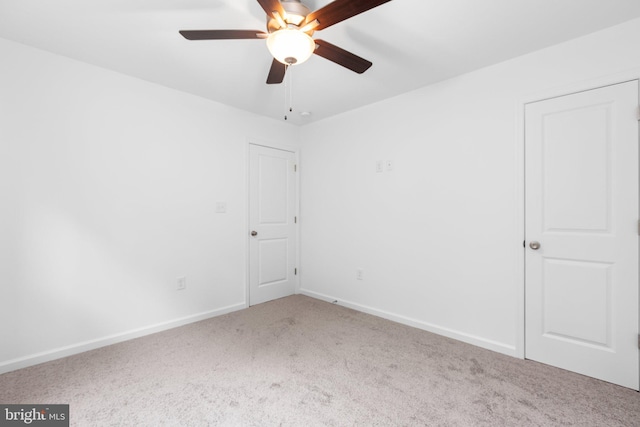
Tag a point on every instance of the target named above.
point(295, 219)
point(638, 113)
point(638, 341)
point(295, 272)
point(295, 167)
point(639, 227)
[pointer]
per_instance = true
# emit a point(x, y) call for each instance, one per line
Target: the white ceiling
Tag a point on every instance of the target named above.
point(412, 43)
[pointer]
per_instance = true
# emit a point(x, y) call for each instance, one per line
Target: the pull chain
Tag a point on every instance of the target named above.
point(291, 90)
point(288, 85)
point(286, 68)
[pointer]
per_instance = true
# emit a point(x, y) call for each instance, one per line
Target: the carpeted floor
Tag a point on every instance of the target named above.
point(302, 362)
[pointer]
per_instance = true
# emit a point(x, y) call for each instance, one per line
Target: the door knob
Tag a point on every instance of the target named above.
point(254, 233)
point(534, 245)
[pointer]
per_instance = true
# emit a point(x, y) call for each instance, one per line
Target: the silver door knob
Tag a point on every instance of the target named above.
point(534, 245)
point(254, 233)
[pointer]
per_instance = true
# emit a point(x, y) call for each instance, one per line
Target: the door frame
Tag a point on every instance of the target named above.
point(245, 232)
point(520, 160)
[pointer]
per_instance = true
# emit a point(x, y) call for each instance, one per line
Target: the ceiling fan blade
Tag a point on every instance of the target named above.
point(270, 6)
point(342, 57)
point(276, 73)
point(222, 34)
point(339, 10)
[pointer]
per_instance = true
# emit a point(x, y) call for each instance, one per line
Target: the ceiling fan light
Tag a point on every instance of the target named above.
point(290, 46)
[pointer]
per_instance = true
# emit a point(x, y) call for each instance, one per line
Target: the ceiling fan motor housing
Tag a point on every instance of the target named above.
point(295, 14)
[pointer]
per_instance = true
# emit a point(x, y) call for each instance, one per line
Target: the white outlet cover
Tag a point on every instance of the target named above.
point(221, 207)
point(379, 166)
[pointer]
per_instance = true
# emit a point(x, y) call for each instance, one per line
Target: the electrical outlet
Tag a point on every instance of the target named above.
point(379, 166)
point(359, 274)
point(221, 207)
point(182, 283)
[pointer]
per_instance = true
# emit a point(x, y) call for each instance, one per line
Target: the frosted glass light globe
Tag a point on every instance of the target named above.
point(290, 46)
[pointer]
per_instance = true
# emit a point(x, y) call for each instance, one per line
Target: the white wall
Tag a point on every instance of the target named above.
point(108, 189)
point(440, 237)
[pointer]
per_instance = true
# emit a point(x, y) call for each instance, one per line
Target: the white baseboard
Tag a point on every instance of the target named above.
point(46, 356)
point(450, 333)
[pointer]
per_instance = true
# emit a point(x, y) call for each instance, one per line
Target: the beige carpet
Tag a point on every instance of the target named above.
point(302, 362)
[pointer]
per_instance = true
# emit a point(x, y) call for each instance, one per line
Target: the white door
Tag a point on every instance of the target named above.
point(272, 224)
point(582, 233)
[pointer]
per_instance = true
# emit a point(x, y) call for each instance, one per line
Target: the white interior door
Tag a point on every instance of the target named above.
point(582, 210)
point(272, 228)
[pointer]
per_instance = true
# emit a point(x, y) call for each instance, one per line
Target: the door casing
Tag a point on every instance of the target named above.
point(519, 248)
point(245, 232)
point(586, 251)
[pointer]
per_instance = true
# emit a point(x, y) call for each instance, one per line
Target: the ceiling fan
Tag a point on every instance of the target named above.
point(290, 25)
